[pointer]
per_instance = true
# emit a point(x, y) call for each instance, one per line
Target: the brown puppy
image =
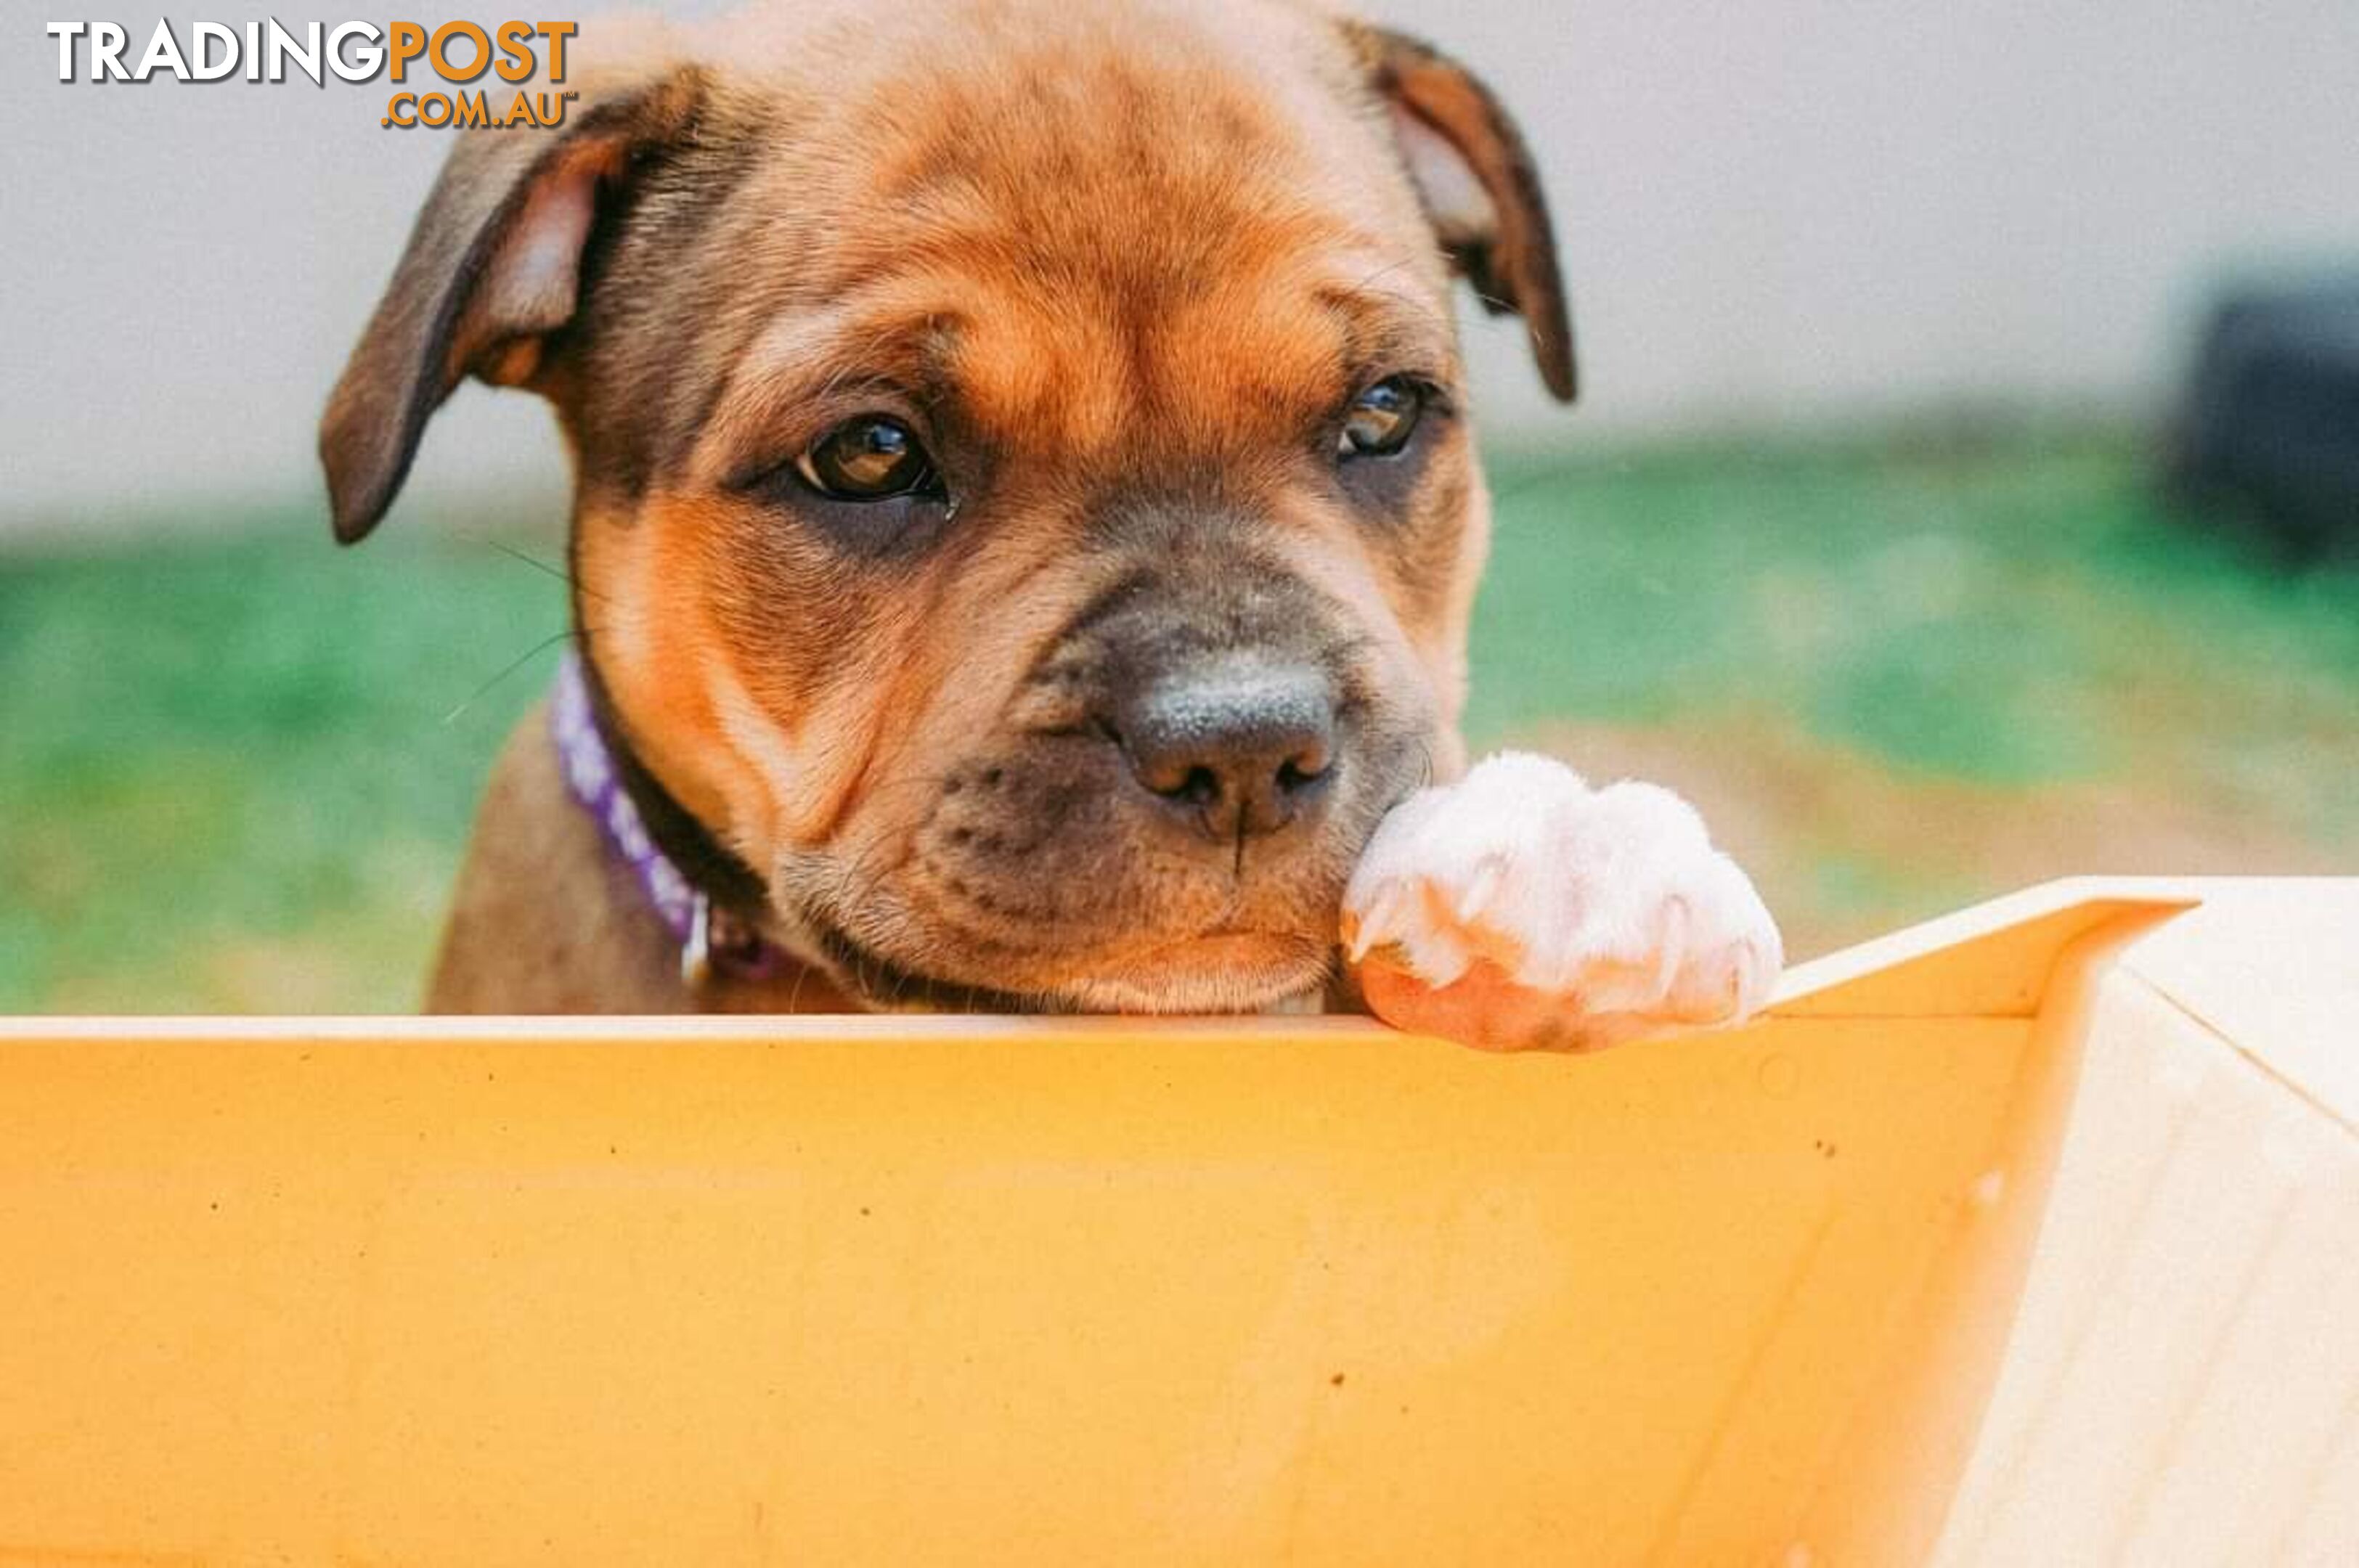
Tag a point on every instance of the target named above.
point(1027, 521)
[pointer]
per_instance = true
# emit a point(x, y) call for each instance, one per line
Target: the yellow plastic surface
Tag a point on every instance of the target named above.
point(2027, 1237)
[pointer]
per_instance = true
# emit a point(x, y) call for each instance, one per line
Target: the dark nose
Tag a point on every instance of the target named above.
point(1243, 746)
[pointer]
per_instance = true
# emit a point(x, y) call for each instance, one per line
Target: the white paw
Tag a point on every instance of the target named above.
point(1520, 907)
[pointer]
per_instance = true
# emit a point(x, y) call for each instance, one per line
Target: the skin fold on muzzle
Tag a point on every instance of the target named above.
point(1182, 781)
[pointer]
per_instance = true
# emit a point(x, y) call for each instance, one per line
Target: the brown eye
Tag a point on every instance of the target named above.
point(1382, 419)
point(873, 457)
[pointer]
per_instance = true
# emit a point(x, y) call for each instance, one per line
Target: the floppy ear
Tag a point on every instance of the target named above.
point(493, 265)
point(1480, 188)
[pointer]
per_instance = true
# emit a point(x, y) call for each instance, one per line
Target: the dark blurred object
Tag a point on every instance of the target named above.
point(2270, 431)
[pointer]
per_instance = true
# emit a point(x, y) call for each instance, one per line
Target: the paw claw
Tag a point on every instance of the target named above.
point(1481, 889)
point(1379, 917)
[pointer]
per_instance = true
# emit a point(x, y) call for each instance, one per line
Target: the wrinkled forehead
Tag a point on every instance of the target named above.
point(1062, 233)
point(1212, 372)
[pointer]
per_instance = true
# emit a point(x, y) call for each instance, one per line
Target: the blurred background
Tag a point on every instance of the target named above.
point(1957, 497)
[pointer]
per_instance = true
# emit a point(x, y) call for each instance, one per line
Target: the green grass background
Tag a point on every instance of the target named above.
point(236, 766)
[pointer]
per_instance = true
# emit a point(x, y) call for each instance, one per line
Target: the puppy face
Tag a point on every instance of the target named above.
point(1026, 510)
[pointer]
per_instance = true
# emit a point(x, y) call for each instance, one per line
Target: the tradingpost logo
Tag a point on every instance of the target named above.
point(484, 67)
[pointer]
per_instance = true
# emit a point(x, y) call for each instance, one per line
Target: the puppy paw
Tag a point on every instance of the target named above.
point(1520, 909)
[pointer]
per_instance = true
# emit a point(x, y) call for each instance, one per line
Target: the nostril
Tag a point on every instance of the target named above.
point(1305, 768)
point(1193, 783)
point(1179, 779)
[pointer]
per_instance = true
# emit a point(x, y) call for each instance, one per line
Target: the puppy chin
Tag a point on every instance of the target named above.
point(1219, 973)
point(1233, 972)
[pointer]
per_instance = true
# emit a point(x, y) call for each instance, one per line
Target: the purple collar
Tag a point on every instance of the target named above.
point(710, 940)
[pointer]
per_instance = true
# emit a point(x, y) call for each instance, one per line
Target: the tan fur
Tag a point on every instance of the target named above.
point(1141, 250)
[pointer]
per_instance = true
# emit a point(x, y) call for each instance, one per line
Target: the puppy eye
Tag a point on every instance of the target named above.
point(873, 457)
point(1382, 419)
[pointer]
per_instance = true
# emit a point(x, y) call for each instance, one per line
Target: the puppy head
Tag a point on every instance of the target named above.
point(1026, 507)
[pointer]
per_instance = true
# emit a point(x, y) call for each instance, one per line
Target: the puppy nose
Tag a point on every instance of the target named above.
point(1244, 746)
